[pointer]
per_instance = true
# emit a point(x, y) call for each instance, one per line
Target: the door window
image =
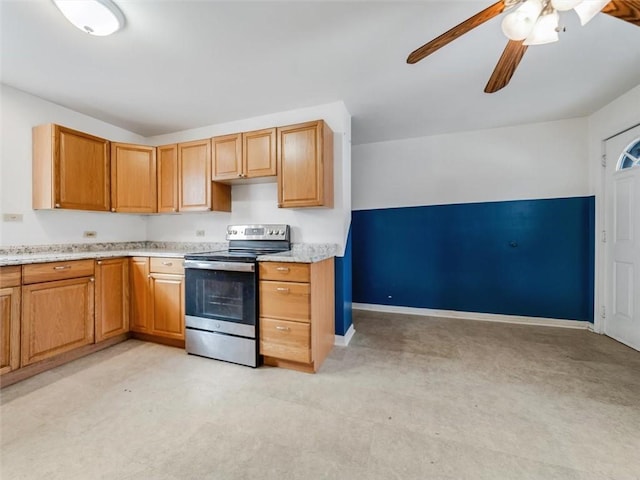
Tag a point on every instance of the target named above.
point(631, 156)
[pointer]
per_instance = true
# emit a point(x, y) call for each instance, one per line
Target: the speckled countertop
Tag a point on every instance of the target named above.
point(303, 253)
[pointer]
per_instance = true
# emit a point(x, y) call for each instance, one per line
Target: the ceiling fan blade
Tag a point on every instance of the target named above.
point(457, 31)
point(627, 10)
point(506, 66)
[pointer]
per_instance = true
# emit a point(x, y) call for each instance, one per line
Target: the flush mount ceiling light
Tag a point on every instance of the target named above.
point(95, 17)
point(530, 22)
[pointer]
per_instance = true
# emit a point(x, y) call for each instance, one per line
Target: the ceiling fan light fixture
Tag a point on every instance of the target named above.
point(545, 30)
point(519, 24)
point(564, 5)
point(95, 17)
point(588, 9)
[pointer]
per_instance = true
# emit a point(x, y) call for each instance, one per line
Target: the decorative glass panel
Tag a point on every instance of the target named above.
point(631, 156)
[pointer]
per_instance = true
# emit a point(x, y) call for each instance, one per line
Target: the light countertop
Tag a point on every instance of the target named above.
point(301, 253)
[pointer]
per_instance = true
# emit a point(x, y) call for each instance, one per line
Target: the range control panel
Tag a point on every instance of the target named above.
point(258, 232)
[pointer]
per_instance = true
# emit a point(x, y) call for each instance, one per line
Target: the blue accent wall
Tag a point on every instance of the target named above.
point(525, 257)
point(343, 289)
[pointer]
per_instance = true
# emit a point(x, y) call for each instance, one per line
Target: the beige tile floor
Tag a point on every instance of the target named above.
point(411, 398)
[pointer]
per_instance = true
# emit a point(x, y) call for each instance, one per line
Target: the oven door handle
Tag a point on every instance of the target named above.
point(222, 266)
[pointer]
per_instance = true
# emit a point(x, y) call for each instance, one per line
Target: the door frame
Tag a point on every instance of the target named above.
point(600, 265)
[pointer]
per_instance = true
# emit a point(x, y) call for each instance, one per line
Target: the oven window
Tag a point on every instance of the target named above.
point(229, 296)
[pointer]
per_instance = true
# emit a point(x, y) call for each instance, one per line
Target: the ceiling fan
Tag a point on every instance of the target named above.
point(531, 22)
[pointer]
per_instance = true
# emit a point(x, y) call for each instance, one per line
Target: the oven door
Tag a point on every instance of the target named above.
point(223, 291)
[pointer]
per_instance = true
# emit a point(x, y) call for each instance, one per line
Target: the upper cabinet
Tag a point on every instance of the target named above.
point(244, 155)
point(75, 170)
point(227, 157)
point(259, 153)
point(194, 184)
point(305, 165)
point(184, 184)
point(133, 178)
point(168, 179)
point(196, 191)
point(70, 169)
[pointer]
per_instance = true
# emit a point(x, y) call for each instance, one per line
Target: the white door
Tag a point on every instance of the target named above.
point(622, 189)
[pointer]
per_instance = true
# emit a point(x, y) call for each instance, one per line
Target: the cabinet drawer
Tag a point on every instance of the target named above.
point(284, 271)
point(167, 265)
point(285, 300)
point(285, 340)
point(10, 276)
point(46, 272)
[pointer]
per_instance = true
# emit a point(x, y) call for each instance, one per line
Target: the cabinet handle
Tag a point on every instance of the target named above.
point(285, 329)
point(92, 279)
point(57, 205)
point(113, 209)
point(168, 264)
point(99, 262)
point(282, 289)
point(175, 209)
point(282, 269)
point(62, 267)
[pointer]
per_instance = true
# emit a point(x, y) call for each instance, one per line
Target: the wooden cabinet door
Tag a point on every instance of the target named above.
point(167, 305)
point(194, 174)
point(140, 309)
point(9, 329)
point(112, 298)
point(168, 178)
point(82, 173)
point(227, 157)
point(140, 313)
point(305, 165)
point(56, 317)
point(133, 178)
point(259, 153)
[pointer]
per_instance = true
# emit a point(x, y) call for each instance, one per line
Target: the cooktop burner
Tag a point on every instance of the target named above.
point(247, 242)
point(230, 255)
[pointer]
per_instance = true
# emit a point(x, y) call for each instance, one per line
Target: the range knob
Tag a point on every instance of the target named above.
point(234, 232)
point(281, 232)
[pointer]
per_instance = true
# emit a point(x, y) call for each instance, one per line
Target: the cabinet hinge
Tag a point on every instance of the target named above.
point(603, 311)
point(603, 161)
point(604, 236)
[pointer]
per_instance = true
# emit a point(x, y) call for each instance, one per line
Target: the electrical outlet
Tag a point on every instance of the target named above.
point(90, 234)
point(11, 217)
point(199, 233)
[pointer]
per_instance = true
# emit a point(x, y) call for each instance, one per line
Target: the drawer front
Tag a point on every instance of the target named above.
point(10, 276)
point(285, 340)
point(284, 271)
point(167, 265)
point(285, 300)
point(46, 272)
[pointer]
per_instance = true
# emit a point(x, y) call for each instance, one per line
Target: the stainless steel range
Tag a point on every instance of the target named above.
point(221, 294)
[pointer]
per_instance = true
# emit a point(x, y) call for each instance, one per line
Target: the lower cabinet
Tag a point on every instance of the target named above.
point(9, 318)
point(296, 313)
point(167, 305)
point(157, 297)
point(57, 316)
point(139, 294)
point(112, 298)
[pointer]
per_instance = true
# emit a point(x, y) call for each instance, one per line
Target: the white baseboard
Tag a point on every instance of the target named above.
point(485, 317)
point(343, 340)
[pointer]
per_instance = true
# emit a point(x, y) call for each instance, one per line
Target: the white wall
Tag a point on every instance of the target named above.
point(257, 203)
point(20, 112)
point(619, 115)
point(542, 160)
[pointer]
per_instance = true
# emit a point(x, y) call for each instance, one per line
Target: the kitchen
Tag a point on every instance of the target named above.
point(357, 424)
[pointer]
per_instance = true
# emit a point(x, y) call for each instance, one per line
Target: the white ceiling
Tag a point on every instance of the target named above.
point(184, 64)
